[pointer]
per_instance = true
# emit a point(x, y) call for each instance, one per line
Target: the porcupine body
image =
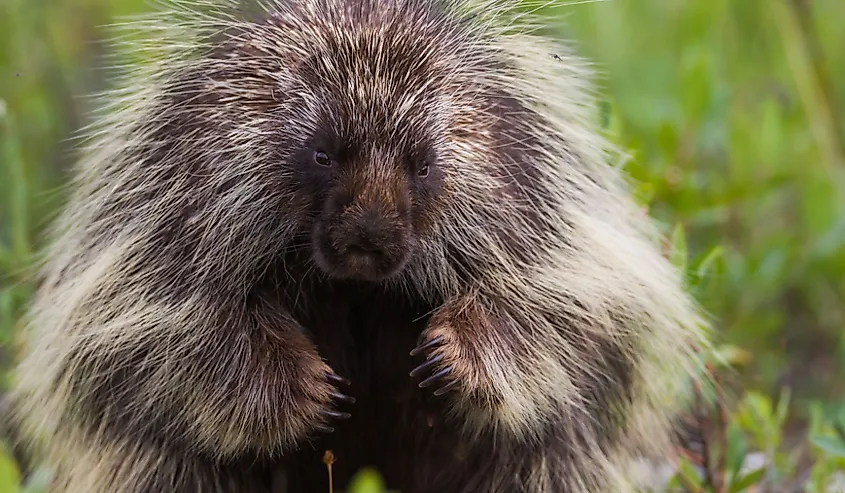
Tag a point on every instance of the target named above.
point(288, 200)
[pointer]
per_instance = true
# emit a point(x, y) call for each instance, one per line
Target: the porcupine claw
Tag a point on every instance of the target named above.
point(446, 388)
point(427, 345)
point(342, 397)
point(335, 414)
point(428, 364)
point(338, 380)
point(437, 376)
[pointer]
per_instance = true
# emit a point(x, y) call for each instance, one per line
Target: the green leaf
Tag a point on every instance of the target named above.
point(840, 416)
point(783, 407)
point(727, 355)
point(815, 410)
point(7, 321)
point(755, 415)
point(9, 474)
point(644, 193)
point(688, 476)
point(830, 445)
point(679, 248)
point(366, 481)
point(706, 264)
point(605, 112)
point(749, 479)
point(18, 197)
point(735, 448)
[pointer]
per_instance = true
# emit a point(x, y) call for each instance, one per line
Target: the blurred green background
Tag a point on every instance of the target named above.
point(733, 111)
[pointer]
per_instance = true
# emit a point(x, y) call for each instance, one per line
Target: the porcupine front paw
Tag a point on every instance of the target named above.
point(454, 356)
point(316, 396)
point(472, 359)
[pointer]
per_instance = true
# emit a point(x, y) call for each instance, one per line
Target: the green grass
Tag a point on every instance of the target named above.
point(734, 112)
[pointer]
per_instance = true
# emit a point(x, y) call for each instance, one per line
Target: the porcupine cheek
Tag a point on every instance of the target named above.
point(364, 242)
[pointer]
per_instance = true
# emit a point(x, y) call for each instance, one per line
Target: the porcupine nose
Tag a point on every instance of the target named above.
point(371, 235)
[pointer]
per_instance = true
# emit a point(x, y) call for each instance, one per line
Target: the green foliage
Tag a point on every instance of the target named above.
point(756, 428)
point(9, 475)
point(733, 114)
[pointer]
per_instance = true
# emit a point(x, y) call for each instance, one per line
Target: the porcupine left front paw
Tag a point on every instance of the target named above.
point(457, 354)
point(474, 356)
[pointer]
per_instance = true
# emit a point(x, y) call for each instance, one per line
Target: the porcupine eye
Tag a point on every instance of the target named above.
point(425, 162)
point(322, 158)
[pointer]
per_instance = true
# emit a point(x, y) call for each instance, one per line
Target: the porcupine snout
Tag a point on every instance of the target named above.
point(365, 229)
point(369, 232)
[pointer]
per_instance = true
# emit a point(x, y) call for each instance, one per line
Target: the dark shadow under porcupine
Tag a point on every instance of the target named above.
point(383, 228)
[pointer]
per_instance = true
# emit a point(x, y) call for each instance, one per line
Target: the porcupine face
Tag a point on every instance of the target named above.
point(371, 160)
point(365, 227)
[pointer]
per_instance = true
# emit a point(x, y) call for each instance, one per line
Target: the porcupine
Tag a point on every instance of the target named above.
point(387, 228)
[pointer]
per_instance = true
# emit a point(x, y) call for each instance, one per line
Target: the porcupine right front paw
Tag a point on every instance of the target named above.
point(283, 393)
point(330, 412)
point(318, 395)
point(305, 394)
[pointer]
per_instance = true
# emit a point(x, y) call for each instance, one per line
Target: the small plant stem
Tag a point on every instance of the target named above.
point(328, 460)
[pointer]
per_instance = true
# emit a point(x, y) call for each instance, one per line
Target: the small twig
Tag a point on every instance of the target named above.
point(328, 460)
point(690, 456)
point(710, 429)
point(701, 421)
